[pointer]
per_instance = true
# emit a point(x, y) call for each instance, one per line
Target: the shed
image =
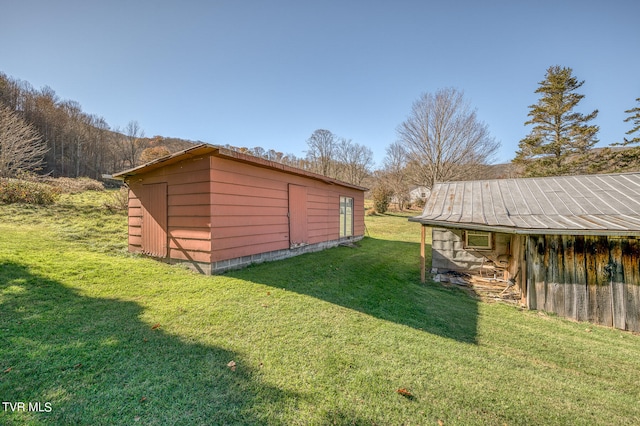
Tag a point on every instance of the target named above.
point(570, 243)
point(216, 209)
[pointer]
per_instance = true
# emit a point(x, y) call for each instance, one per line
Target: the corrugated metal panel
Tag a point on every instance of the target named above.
point(591, 204)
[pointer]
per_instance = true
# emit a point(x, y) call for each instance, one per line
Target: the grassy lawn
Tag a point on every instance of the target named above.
point(107, 338)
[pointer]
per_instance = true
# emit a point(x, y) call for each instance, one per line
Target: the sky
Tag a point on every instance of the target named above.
point(269, 73)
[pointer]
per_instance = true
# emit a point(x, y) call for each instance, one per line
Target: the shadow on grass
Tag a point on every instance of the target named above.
point(380, 278)
point(96, 362)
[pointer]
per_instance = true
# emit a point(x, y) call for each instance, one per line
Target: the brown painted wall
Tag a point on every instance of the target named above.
point(250, 204)
point(188, 220)
point(219, 209)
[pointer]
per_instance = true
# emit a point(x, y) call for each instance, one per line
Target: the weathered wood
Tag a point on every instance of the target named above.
point(517, 269)
point(531, 257)
point(581, 294)
point(631, 274)
point(569, 277)
point(538, 254)
point(555, 275)
point(617, 287)
point(605, 302)
point(597, 253)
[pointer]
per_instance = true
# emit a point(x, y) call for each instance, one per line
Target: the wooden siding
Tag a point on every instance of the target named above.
point(250, 209)
point(188, 209)
point(586, 278)
point(221, 208)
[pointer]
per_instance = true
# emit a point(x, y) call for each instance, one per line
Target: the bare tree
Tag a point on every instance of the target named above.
point(132, 145)
point(444, 138)
point(21, 147)
point(395, 174)
point(354, 161)
point(322, 145)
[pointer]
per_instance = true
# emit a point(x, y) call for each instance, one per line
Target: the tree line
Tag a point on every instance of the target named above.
point(441, 139)
point(64, 140)
point(327, 154)
point(41, 132)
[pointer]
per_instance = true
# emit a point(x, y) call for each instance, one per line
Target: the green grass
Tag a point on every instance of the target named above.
point(323, 338)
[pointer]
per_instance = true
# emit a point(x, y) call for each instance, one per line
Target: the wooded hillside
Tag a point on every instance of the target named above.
point(79, 143)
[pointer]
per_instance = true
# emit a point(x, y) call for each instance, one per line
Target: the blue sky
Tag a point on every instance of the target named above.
point(269, 73)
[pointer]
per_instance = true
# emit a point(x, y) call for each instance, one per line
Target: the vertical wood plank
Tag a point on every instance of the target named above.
point(559, 283)
point(541, 275)
point(516, 265)
point(597, 254)
point(631, 277)
point(531, 255)
point(618, 289)
point(605, 305)
point(554, 275)
point(592, 282)
point(581, 295)
point(538, 270)
point(551, 257)
point(569, 276)
point(522, 264)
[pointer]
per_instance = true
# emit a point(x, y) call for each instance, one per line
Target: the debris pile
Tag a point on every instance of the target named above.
point(485, 287)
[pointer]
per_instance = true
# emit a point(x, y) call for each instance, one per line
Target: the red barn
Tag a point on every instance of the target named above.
point(216, 209)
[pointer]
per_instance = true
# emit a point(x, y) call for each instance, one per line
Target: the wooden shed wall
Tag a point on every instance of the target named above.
point(188, 213)
point(587, 278)
point(250, 205)
point(449, 253)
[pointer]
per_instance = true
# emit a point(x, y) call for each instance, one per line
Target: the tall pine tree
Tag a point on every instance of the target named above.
point(561, 138)
point(634, 116)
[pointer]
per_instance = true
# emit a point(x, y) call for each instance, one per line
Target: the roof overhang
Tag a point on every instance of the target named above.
point(523, 231)
point(192, 152)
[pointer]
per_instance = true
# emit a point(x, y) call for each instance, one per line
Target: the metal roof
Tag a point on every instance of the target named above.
point(590, 204)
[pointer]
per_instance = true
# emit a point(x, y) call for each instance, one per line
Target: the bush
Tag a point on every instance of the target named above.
point(27, 192)
point(381, 198)
point(420, 202)
point(74, 186)
point(119, 201)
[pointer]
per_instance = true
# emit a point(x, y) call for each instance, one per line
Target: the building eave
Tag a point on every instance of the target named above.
point(525, 231)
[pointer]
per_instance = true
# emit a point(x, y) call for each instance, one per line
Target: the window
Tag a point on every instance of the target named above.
point(346, 217)
point(477, 240)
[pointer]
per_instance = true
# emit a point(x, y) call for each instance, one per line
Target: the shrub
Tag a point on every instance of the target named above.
point(27, 192)
point(381, 195)
point(370, 212)
point(119, 200)
point(420, 202)
point(74, 186)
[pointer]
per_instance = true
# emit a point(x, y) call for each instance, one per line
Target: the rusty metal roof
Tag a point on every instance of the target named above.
point(606, 204)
